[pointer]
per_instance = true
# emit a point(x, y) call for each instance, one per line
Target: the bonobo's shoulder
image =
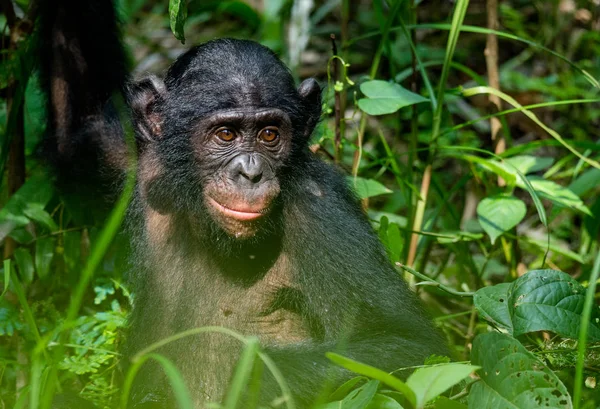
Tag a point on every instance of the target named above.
point(325, 188)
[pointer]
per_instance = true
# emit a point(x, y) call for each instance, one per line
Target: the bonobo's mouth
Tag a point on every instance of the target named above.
point(242, 213)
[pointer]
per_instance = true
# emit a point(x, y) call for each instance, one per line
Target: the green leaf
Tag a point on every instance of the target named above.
point(555, 193)
point(44, 251)
point(36, 212)
point(177, 17)
point(550, 300)
point(428, 383)
point(345, 388)
point(444, 403)
point(25, 264)
point(36, 192)
point(371, 372)
point(498, 214)
point(587, 181)
point(492, 304)
point(386, 98)
point(383, 402)
point(366, 188)
point(541, 300)
point(529, 164)
point(395, 242)
point(361, 397)
point(512, 378)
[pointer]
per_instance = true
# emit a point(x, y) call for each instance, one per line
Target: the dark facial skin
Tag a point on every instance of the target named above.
point(241, 153)
point(227, 146)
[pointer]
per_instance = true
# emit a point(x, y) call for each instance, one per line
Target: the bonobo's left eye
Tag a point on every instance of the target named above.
point(225, 134)
point(269, 135)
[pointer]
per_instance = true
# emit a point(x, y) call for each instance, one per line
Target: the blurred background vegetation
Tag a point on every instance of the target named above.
point(474, 151)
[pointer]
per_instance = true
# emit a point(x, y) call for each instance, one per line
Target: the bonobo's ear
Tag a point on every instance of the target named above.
point(145, 97)
point(310, 92)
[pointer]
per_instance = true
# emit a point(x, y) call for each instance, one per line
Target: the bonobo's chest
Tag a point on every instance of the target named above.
point(194, 289)
point(271, 307)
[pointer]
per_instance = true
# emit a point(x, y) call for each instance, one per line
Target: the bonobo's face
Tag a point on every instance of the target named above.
point(240, 154)
point(218, 136)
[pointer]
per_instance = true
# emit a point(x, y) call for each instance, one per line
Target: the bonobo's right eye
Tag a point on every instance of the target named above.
point(225, 134)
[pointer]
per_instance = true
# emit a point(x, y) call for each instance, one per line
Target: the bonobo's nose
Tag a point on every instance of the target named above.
point(248, 169)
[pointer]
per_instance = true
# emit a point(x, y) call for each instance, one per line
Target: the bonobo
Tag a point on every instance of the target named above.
point(234, 222)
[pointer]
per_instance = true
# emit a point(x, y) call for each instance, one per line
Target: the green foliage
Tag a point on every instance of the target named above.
point(511, 377)
point(386, 97)
point(541, 300)
point(468, 219)
point(499, 214)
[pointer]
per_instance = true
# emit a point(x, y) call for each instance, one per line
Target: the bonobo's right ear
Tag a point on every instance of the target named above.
point(310, 92)
point(145, 98)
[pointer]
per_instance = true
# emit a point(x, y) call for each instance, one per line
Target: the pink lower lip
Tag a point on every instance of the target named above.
point(235, 214)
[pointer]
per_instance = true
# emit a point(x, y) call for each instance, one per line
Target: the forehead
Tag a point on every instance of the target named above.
point(247, 116)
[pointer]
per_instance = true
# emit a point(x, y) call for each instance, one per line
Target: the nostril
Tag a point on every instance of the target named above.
point(251, 176)
point(256, 178)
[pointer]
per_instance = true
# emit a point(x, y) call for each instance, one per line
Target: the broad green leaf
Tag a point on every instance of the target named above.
point(555, 193)
point(498, 214)
point(512, 378)
point(492, 304)
point(550, 300)
point(386, 98)
point(44, 251)
point(444, 403)
point(360, 398)
point(371, 372)
point(366, 188)
point(429, 382)
point(36, 192)
point(177, 17)
point(25, 264)
point(36, 212)
point(529, 164)
point(345, 388)
point(541, 300)
point(383, 402)
point(585, 182)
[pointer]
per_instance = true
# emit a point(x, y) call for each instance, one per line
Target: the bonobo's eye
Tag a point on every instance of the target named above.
point(225, 134)
point(269, 135)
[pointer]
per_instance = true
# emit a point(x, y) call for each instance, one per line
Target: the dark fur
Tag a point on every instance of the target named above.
point(314, 278)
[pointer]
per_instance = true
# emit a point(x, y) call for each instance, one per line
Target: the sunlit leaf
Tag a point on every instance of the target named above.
point(555, 193)
point(499, 214)
point(368, 187)
point(429, 382)
point(385, 97)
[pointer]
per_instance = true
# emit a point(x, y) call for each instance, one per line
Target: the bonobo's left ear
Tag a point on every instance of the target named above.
point(310, 92)
point(145, 97)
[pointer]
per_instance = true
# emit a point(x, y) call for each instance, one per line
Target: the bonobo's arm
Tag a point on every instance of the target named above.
point(82, 64)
